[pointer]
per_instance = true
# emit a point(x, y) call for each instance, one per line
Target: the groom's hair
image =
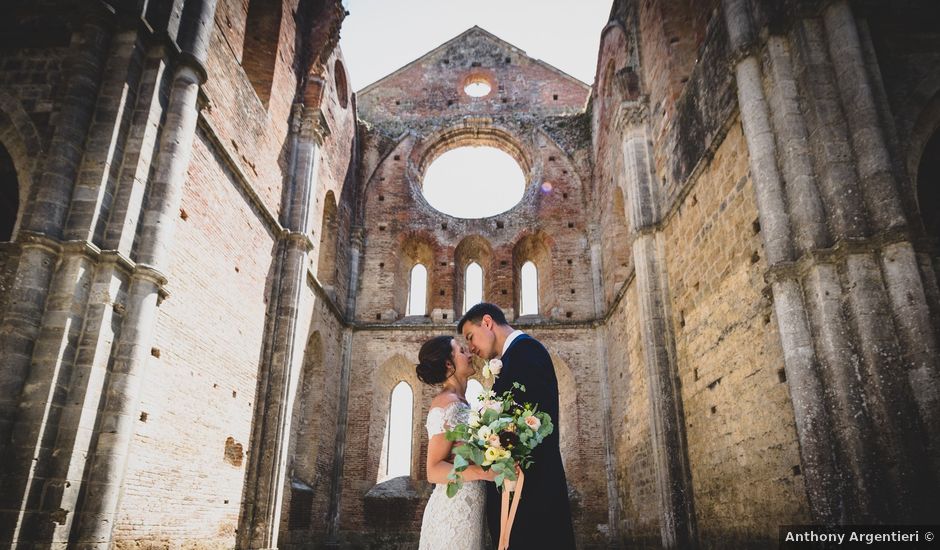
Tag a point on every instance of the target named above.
point(476, 313)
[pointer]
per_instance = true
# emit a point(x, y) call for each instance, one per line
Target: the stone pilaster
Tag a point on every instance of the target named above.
point(667, 419)
point(281, 366)
point(839, 264)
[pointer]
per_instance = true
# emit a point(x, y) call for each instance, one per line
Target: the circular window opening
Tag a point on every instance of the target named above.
point(474, 182)
point(478, 88)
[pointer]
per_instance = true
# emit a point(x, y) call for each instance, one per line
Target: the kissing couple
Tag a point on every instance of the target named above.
point(543, 518)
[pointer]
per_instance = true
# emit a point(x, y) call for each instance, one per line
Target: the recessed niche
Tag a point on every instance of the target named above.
point(441, 293)
point(570, 225)
point(381, 198)
point(499, 225)
point(397, 102)
point(381, 264)
point(568, 314)
point(570, 262)
point(381, 228)
point(444, 226)
point(564, 195)
point(554, 97)
point(551, 158)
point(397, 157)
point(504, 292)
point(378, 316)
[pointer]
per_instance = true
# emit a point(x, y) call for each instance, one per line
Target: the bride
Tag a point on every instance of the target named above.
point(450, 523)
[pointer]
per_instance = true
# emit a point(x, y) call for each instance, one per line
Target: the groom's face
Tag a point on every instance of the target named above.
point(481, 338)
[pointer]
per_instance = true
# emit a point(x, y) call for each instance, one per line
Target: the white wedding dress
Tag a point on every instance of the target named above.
point(453, 523)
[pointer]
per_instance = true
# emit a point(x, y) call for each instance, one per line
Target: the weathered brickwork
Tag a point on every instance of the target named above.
point(216, 315)
point(741, 436)
point(629, 395)
point(203, 305)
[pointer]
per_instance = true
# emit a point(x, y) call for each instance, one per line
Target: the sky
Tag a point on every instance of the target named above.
point(380, 36)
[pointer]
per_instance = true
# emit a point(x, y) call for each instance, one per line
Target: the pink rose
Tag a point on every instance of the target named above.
point(493, 441)
point(533, 422)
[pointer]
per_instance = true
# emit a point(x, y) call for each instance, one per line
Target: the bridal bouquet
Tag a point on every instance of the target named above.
point(499, 436)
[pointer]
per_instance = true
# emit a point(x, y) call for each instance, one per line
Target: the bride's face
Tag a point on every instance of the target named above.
point(462, 360)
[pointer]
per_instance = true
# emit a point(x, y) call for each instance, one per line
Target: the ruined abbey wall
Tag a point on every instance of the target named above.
point(203, 296)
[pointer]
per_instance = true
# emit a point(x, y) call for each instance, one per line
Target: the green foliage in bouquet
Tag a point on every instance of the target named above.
point(501, 435)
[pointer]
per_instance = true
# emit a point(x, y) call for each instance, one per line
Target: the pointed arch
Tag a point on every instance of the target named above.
point(386, 376)
point(398, 444)
point(473, 249)
point(416, 248)
point(534, 248)
point(262, 38)
point(417, 291)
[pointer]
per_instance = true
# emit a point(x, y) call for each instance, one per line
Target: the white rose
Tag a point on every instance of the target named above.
point(484, 432)
point(474, 419)
point(486, 371)
point(495, 366)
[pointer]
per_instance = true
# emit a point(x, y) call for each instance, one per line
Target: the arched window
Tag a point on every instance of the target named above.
point(259, 52)
point(529, 297)
point(473, 286)
point(9, 196)
point(418, 290)
point(474, 390)
point(399, 431)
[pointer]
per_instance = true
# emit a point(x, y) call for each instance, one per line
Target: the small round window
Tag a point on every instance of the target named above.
point(478, 88)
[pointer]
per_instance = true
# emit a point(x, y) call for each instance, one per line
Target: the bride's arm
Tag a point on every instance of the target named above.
point(439, 468)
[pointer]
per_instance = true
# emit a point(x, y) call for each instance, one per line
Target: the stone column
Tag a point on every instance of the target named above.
point(667, 419)
point(813, 424)
point(281, 366)
point(117, 415)
point(610, 460)
point(848, 305)
point(355, 253)
point(898, 263)
point(35, 312)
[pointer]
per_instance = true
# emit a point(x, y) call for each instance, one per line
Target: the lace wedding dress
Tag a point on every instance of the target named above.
point(453, 523)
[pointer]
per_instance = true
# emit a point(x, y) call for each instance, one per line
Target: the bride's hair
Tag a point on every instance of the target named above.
point(432, 360)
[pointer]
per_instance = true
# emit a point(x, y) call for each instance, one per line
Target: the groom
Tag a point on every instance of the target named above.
point(544, 516)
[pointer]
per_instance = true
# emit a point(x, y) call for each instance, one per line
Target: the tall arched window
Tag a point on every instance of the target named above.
point(418, 290)
point(399, 431)
point(473, 286)
point(529, 297)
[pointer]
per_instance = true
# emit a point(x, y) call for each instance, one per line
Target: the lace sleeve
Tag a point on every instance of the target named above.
point(442, 419)
point(435, 423)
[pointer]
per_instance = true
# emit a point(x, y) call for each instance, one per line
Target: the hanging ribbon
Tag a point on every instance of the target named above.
point(508, 514)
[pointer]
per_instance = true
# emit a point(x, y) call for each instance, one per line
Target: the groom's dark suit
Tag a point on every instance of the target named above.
point(543, 520)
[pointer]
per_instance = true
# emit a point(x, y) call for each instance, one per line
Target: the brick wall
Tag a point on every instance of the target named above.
point(739, 419)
